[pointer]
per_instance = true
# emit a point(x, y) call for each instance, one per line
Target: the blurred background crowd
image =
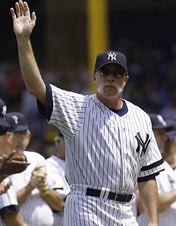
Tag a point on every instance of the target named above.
point(143, 31)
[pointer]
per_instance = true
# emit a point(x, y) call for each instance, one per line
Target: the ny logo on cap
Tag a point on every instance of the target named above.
point(15, 119)
point(160, 118)
point(112, 56)
point(4, 109)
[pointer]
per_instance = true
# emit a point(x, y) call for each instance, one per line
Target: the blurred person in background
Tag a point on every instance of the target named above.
point(170, 153)
point(166, 180)
point(55, 166)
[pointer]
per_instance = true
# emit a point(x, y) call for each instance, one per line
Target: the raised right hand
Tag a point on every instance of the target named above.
point(23, 22)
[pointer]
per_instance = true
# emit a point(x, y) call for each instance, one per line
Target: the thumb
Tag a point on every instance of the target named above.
point(38, 167)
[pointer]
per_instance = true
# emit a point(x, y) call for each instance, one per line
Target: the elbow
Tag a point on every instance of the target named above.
point(60, 207)
point(39, 93)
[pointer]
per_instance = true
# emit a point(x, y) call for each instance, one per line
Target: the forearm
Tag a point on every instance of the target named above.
point(149, 197)
point(24, 193)
point(30, 70)
point(13, 219)
point(166, 199)
point(54, 200)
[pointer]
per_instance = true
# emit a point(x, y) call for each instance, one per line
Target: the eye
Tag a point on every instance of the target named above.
point(105, 72)
point(118, 74)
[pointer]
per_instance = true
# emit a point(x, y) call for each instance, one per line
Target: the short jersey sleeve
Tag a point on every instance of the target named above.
point(8, 201)
point(153, 163)
point(64, 109)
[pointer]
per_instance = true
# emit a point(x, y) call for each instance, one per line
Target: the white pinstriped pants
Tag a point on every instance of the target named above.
point(82, 210)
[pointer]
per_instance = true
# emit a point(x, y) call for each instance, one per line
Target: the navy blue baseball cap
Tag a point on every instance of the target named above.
point(3, 110)
point(158, 122)
point(17, 121)
point(111, 57)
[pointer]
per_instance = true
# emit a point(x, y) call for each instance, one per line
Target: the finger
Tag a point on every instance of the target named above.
point(26, 9)
point(13, 13)
point(34, 18)
point(19, 158)
point(17, 9)
point(15, 162)
point(38, 167)
point(21, 5)
point(11, 155)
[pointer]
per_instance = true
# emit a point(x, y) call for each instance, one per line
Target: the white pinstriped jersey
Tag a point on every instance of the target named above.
point(166, 182)
point(103, 149)
point(55, 168)
point(35, 210)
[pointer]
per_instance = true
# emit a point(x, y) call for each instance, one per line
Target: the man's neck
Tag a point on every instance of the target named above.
point(112, 103)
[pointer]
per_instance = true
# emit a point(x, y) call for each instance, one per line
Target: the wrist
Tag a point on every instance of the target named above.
point(30, 187)
point(44, 190)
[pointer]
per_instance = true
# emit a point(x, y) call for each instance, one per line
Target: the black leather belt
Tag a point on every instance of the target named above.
point(113, 196)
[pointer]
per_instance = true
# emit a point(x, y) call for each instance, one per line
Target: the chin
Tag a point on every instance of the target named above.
point(111, 96)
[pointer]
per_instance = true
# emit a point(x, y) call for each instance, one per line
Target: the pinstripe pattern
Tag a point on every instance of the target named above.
point(55, 168)
point(168, 216)
point(100, 145)
point(35, 210)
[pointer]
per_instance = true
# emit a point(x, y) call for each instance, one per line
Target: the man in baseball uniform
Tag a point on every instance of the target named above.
point(8, 165)
point(55, 167)
point(166, 181)
point(109, 142)
point(34, 197)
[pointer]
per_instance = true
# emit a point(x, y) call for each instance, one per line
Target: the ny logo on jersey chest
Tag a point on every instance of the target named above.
point(142, 145)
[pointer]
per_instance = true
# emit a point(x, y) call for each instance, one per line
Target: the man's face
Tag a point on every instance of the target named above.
point(161, 139)
point(60, 146)
point(110, 81)
point(18, 142)
point(2, 145)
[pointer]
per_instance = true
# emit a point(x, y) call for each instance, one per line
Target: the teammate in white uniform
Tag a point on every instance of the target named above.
point(8, 165)
point(55, 167)
point(32, 192)
point(166, 181)
point(109, 141)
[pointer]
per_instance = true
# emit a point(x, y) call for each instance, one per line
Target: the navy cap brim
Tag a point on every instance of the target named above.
point(171, 134)
point(19, 128)
point(4, 123)
point(111, 63)
point(167, 127)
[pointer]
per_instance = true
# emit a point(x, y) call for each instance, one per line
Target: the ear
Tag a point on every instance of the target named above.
point(9, 137)
point(125, 80)
point(94, 77)
point(28, 135)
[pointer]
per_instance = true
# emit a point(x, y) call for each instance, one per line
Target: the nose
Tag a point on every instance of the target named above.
point(110, 77)
point(19, 151)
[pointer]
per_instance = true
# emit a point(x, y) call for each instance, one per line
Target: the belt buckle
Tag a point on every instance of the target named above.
point(115, 197)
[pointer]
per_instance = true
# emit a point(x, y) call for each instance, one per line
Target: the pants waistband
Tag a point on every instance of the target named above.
point(100, 192)
point(109, 195)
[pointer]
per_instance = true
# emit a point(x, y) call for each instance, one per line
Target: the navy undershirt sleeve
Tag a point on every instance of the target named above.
point(9, 209)
point(46, 111)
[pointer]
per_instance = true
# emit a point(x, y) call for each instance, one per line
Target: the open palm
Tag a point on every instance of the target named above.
point(23, 22)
